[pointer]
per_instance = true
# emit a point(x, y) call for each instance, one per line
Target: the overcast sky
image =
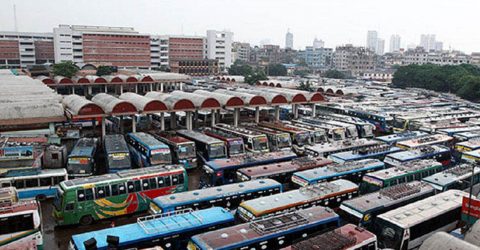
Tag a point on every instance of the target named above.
point(334, 21)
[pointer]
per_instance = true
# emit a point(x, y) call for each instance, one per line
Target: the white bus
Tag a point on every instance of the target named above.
point(408, 226)
point(38, 185)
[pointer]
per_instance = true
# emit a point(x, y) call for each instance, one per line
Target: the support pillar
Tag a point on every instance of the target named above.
point(173, 120)
point(73, 90)
point(295, 110)
point(151, 86)
point(89, 90)
point(103, 127)
point(106, 88)
point(162, 121)
point(121, 89)
point(161, 87)
point(181, 86)
point(277, 113)
point(236, 116)
point(189, 120)
point(314, 110)
point(257, 114)
point(212, 120)
point(136, 88)
point(134, 124)
point(51, 128)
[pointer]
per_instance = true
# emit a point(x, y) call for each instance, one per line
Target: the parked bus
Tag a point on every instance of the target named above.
point(404, 136)
point(347, 237)
point(300, 137)
point(365, 129)
point(454, 131)
point(277, 140)
point(436, 139)
point(446, 241)
point(471, 156)
point(227, 196)
point(81, 161)
point(465, 136)
point(117, 155)
point(182, 149)
point(458, 177)
point(281, 171)
point(234, 143)
point(439, 153)
point(20, 223)
point(168, 231)
point(372, 152)
point(19, 148)
point(351, 130)
point(147, 151)
point(208, 148)
point(410, 171)
point(352, 171)
point(408, 226)
point(129, 191)
point(37, 185)
point(329, 194)
point(269, 233)
point(254, 141)
point(333, 132)
point(363, 210)
point(327, 149)
point(318, 135)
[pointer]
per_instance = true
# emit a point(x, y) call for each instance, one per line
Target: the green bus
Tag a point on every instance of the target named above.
point(407, 172)
point(124, 192)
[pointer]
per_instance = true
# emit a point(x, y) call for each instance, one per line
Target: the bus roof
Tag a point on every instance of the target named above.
point(214, 192)
point(472, 144)
point(339, 169)
point(474, 153)
point(198, 136)
point(393, 138)
point(451, 175)
point(219, 133)
point(147, 140)
point(419, 211)
point(124, 174)
point(340, 238)
point(426, 151)
point(154, 227)
point(427, 140)
point(294, 165)
point(115, 143)
point(280, 201)
point(37, 174)
point(345, 145)
point(21, 141)
point(388, 196)
point(19, 206)
point(267, 227)
point(250, 160)
point(238, 130)
point(369, 152)
point(404, 168)
point(85, 147)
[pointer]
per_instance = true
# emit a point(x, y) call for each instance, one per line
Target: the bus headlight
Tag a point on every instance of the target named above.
point(154, 209)
point(208, 169)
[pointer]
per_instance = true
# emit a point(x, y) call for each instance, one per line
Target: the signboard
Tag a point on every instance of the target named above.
point(16, 153)
point(474, 209)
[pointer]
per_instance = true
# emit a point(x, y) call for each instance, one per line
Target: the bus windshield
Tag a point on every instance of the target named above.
point(81, 165)
point(302, 138)
point(389, 235)
point(160, 156)
point(235, 147)
point(399, 123)
point(352, 131)
point(216, 150)
point(367, 131)
point(319, 137)
point(338, 135)
point(119, 160)
point(260, 143)
point(57, 202)
point(283, 141)
point(186, 151)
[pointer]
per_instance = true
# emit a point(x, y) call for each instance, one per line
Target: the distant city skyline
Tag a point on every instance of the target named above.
point(335, 22)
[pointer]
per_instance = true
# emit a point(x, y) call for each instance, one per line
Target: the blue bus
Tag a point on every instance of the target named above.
point(353, 171)
point(38, 185)
point(404, 136)
point(117, 155)
point(273, 232)
point(376, 151)
point(147, 151)
point(226, 196)
point(81, 161)
point(441, 154)
point(169, 231)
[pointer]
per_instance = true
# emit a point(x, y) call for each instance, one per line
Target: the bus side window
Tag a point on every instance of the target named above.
point(168, 181)
point(153, 183)
point(45, 182)
point(31, 182)
point(121, 188)
point(114, 188)
point(161, 181)
point(401, 180)
point(138, 186)
point(5, 184)
point(410, 178)
point(181, 179)
point(80, 195)
point(100, 192)
point(130, 187)
point(174, 179)
point(19, 184)
point(418, 177)
point(145, 184)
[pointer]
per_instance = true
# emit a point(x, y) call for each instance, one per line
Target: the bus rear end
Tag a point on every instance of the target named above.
point(186, 155)
point(80, 166)
point(235, 147)
point(118, 161)
point(160, 156)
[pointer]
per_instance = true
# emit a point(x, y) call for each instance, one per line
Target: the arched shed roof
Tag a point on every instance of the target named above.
point(251, 100)
point(79, 106)
point(46, 80)
point(143, 103)
point(225, 100)
point(114, 106)
point(200, 101)
point(271, 97)
point(174, 103)
point(62, 80)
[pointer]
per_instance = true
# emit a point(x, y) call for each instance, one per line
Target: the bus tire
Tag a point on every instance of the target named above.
point(86, 220)
point(41, 197)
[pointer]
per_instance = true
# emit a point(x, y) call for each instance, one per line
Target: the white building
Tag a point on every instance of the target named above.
point(395, 41)
point(380, 46)
point(428, 42)
point(289, 40)
point(318, 43)
point(241, 51)
point(219, 46)
point(19, 49)
point(372, 40)
point(159, 51)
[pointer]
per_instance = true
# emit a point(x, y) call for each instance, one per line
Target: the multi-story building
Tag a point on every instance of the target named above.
point(159, 52)
point(429, 43)
point(289, 40)
point(195, 67)
point(372, 40)
point(241, 52)
point(316, 57)
point(420, 56)
point(395, 42)
point(219, 47)
point(187, 55)
point(380, 47)
point(99, 45)
point(355, 60)
point(318, 43)
point(475, 58)
point(20, 49)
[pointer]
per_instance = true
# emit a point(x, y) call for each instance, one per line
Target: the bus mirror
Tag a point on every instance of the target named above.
point(90, 244)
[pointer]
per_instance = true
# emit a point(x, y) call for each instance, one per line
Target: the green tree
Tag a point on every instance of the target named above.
point(104, 70)
point(301, 72)
point(334, 74)
point(307, 86)
point(240, 68)
point(66, 69)
point(277, 70)
point(257, 75)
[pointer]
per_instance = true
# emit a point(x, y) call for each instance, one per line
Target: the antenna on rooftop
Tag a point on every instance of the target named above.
point(15, 18)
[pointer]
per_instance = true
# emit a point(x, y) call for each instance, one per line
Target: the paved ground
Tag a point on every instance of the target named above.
point(56, 238)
